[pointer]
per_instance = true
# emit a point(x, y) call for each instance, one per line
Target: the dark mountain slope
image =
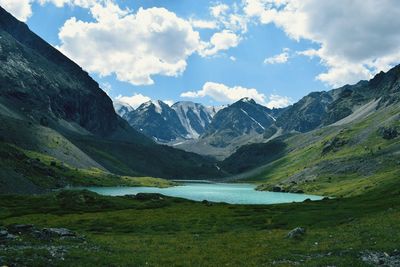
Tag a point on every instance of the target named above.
point(39, 79)
point(50, 105)
point(307, 114)
point(242, 117)
point(324, 108)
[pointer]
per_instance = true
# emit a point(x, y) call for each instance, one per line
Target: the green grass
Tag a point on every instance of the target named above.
point(122, 231)
point(48, 172)
point(364, 161)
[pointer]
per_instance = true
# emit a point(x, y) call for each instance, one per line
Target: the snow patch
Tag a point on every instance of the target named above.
point(157, 106)
point(259, 124)
point(122, 108)
point(183, 108)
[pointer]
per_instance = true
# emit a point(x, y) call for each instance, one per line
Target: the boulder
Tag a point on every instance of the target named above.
point(6, 236)
point(58, 232)
point(207, 203)
point(149, 196)
point(296, 233)
point(388, 133)
point(276, 189)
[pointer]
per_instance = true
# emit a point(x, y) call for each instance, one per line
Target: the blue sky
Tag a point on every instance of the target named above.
point(215, 52)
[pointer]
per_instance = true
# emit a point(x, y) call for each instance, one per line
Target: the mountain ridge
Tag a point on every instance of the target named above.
point(50, 106)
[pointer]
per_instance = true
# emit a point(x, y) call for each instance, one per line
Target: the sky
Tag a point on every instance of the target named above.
point(217, 52)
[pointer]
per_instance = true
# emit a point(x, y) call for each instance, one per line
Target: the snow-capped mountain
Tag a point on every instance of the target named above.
point(242, 117)
point(186, 120)
point(238, 124)
point(122, 108)
point(194, 117)
point(182, 121)
point(157, 120)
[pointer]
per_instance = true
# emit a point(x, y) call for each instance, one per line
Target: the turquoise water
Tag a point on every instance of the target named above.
point(214, 192)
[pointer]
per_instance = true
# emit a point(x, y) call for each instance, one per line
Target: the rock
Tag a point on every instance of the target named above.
point(388, 133)
point(296, 233)
point(381, 258)
point(276, 189)
point(207, 203)
point(298, 191)
point(6, 236)
point(21, 228)
point(58, 232)
point(333, 145)
point(149, 196)
point(307, 200)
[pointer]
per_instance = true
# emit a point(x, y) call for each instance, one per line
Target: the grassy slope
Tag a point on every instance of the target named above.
point(45, 172)
point(364, 161)
point(123, 231)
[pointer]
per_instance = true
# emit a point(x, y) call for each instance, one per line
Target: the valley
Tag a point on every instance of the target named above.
point(88, 180)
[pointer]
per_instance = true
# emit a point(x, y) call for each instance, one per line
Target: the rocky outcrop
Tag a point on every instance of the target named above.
point(47, 86)
point(296, 233)
point(388, 133)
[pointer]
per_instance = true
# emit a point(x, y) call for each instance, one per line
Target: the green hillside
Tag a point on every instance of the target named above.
point(338, 160)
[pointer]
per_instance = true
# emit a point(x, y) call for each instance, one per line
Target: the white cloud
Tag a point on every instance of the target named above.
point(357, 38)
point(277, 101)
point(106, 87)
point(229, 18)
point(219, 10)
point(311, 53)
point(278, 59)
point(225, 94)
point(134, 101)
point(80, 3)
point(232, 58)
point(218, 42)
point(21, 9)
point(134, 46)
point(203, 24)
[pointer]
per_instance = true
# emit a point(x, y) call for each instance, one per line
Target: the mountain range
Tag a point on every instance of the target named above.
point(182, 121)
point(55, 120)
point(50, 106)
point(245, 121)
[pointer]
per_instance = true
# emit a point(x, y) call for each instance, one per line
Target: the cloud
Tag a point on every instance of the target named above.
point(229, 18)
point(278, 59)
point(106, 87)
point(134, 101)
point(203, 24)
point(219, 10)
point(133, 46)
point(225, 94)
point(219, 41)
point(277, 101)
point(80, 3)
point(21, 9)
point(357, 38)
